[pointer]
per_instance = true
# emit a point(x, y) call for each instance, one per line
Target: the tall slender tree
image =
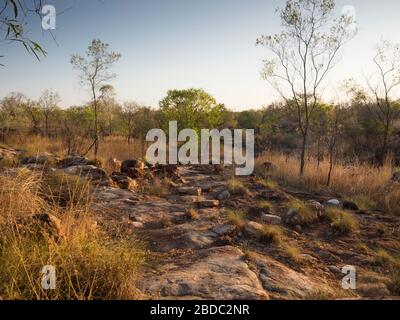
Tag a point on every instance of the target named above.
point(303, 54)
point(94, 70)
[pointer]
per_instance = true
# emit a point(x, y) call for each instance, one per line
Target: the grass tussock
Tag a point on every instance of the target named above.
point(157, 189)
point(307, 214)
point(237, 187)
point(271, 234)
point(293, 253)
point(237, 218)
point(89, 264)
point(342, 221)
point(192, 214)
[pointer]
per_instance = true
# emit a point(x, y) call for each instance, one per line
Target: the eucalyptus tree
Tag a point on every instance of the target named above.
point(303, 54)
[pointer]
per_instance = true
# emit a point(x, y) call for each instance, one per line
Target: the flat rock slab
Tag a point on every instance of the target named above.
point(215, 273)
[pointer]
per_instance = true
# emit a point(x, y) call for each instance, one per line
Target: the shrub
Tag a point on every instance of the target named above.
point(237, 218)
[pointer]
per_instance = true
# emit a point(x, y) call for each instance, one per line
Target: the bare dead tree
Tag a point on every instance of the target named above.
point(303, 54)
point(48, 102)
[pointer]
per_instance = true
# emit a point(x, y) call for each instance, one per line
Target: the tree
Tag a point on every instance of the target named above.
point(129, 110)
point(94, 73)
point(48, 103)
point(14, 15)
point(303, 54)
point(192, 108)
point(387, 62)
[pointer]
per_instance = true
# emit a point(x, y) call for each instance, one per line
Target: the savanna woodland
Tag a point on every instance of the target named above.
point(77, 192)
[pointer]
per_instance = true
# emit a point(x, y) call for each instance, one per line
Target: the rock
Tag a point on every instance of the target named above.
point(335, 270)
point(333, 202)
point(271, 219)
point(207, 203)
point(51, 224)
point(88, 171)
point(298, 228)
point(272, 195)
point(72, 161)
point(219, 273)
point(192, 191)
point(292, 217)
point(317, 207)
point(256, 212)
point(224, 195)
point(38, 160)
point(253, 229)
point(137, 224)
point(123, 181)
point(223, 229)
point(133, 168)
point(114, 164)
point(396, 177)
point(348, 205)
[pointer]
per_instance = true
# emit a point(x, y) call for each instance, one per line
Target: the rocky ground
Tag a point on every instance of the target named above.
point(197, 251)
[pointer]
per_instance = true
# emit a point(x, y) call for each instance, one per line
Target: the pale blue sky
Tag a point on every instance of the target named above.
point(169, 44)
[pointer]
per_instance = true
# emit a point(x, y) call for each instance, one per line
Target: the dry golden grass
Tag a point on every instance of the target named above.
point(89, 264)
point(369, 185)
point(237, 187)
point(293, 253)
point(342, 221)
point(237, 217)
point(271, 234)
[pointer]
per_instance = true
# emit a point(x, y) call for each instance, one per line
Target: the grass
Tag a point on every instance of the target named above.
point(271, 234)
point(293, 253)
point(266, 205)
point(192, 214)
point(267, 183)
point(306, 214)
point(156, 188)
point(342, 221)
point(237, 218)
point(394, 284)
point(237, 187)
point(355, 181)
point(89, 263)
point(385, 259)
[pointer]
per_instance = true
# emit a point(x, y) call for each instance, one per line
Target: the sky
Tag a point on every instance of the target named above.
point(168, 44)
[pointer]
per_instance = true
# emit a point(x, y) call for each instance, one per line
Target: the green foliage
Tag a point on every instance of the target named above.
point(192, 108)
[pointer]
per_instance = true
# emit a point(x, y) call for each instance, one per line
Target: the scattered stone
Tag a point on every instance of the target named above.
point(333, 202)
point(72, 161)
point(224, 195)
point(133, 168)
point(298, 228)
point(38, 160)
point(317, 207)
point(115, 164)
point(207, 203)
point(271, 219)
point(137, 224)
point(253, 229)
point(292, 217)
point(192, 191)
point(223, 229)
point(123, 181)
point(335, 270)
point(348, 205)
point(88, 171)
point(256, 212)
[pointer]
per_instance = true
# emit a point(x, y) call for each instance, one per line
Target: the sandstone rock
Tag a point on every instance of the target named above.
point(192, 191)
point(224, 195)
point(253, 229)
point(115, 164)
point(256, 212)
point(72, 161)
point(271, 219)
point(208, 203)
point(88, 171)
point(223, 229)
point(348, 205)
point(292, 217)
point(317, 207)
point(38, 160)
point(333, 202)
point(218, 273)
point(123, 181)
point(133, 168)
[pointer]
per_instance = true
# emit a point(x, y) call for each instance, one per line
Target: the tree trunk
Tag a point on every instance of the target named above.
point(303, 152)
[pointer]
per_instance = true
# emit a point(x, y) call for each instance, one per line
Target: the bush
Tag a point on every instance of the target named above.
point(271, 234)
point(237, 218)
